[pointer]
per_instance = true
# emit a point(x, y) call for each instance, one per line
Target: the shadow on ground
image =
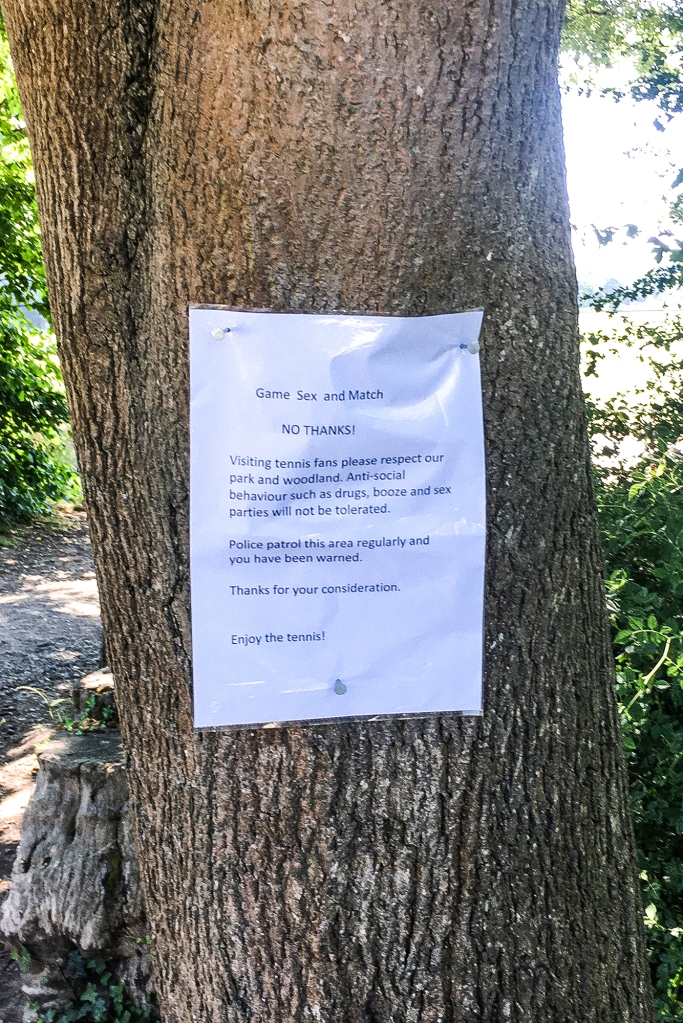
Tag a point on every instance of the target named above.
point(50, 635)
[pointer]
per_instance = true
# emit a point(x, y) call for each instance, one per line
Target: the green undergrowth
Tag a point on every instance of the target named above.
point(62, 718)
point(97, 997)
point(37, 467)
point(640, 501)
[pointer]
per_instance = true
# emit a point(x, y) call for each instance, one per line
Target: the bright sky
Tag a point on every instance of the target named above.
point(620, 169)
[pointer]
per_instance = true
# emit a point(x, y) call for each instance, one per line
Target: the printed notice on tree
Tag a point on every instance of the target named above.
point(337, 516)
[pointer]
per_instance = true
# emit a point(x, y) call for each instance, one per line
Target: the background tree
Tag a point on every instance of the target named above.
point(401, 158)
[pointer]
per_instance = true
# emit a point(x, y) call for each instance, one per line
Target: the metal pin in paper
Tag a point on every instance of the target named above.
point(218, 333)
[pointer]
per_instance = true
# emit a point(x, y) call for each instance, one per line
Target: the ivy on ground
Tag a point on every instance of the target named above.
point(97, 997)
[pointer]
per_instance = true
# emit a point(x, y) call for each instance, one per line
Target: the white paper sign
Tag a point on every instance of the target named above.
point(337, 515)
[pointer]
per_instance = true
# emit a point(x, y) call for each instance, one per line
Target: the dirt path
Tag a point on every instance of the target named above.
point(50, 635)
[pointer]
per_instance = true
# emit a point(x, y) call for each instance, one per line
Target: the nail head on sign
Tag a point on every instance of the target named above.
point(339, 687)
point(219, 333)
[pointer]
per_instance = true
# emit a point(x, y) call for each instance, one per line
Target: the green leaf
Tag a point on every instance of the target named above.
point(90, 993)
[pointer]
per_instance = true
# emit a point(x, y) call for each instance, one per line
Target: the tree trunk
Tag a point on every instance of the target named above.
point(399, 157)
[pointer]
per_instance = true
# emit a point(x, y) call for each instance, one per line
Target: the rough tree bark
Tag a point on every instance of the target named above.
point(399, 157)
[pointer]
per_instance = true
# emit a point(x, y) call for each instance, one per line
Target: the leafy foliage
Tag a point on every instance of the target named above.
point(21, 261)
point(92, 718)
point(598, 33)
point(654, 282)
point(35, 467)
point(99, 999)
point(640, 502)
